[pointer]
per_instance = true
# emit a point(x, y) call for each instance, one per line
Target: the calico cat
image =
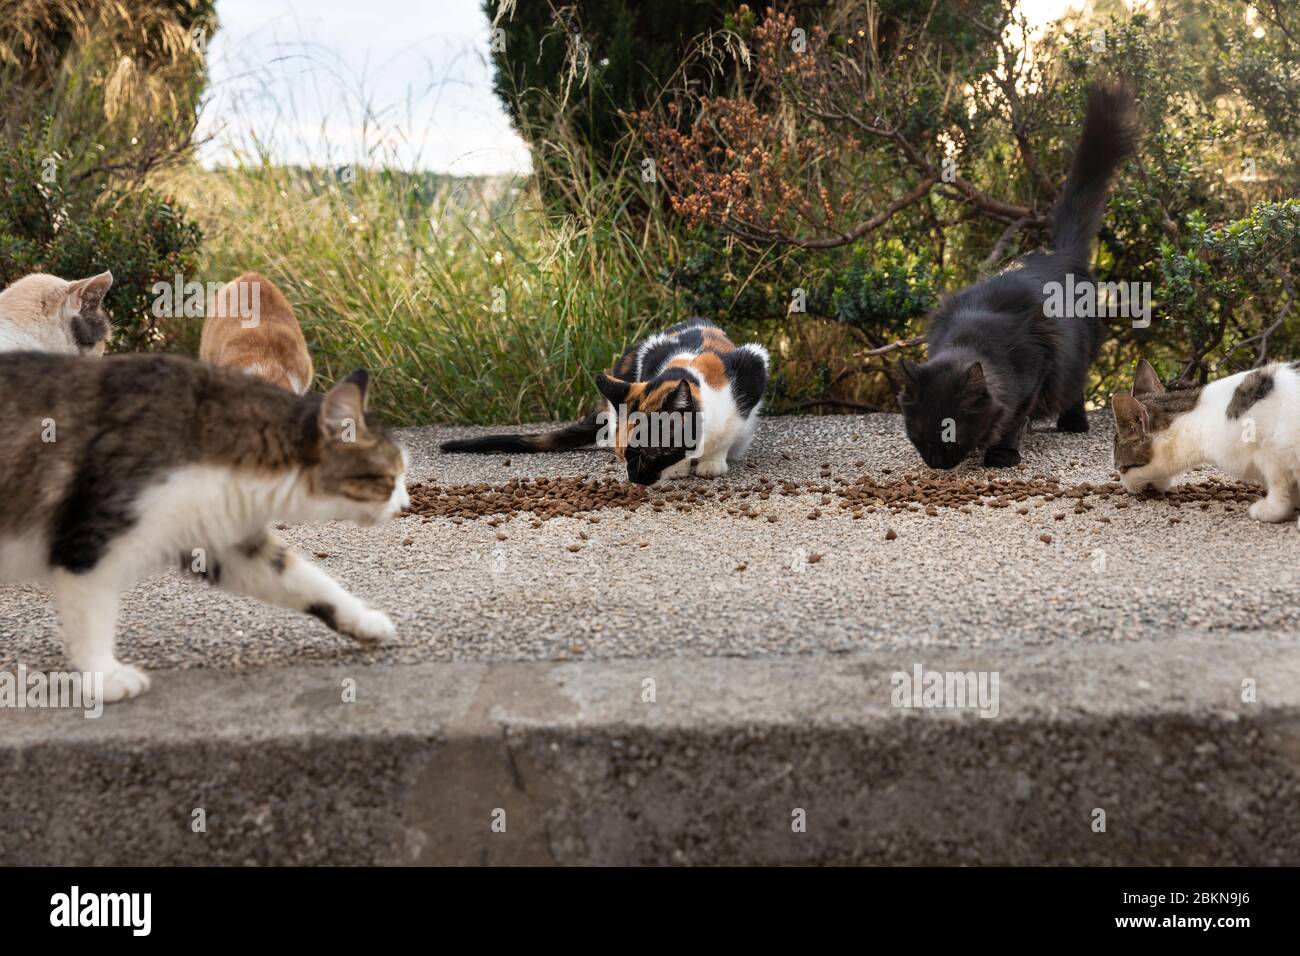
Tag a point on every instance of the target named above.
point(1247, 424)
point(682, 402)
point(111, 468)
point(996, 360)
point(250, 326)
point(47, 314)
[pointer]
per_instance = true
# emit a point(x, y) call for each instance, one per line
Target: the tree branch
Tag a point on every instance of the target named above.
point(1000, 246)
point(892, 347)
point(752, 232)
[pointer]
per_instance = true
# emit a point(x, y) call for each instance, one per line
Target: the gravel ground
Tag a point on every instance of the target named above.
point(649, 584)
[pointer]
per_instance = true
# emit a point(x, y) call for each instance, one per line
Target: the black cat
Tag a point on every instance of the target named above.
point(997, 359)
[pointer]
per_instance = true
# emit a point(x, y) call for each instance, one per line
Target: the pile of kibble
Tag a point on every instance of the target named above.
point(541, 499)
point(928, 494)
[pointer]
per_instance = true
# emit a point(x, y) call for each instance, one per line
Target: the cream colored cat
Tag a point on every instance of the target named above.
point(44, 313)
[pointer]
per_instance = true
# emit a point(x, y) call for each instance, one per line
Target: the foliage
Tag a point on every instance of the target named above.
point(581, 65)
point(99, 96)
point(471, 305)
point(138, 234)
point(1235, 284)
point(940, 133)
point(113, 88)
point(704, 162)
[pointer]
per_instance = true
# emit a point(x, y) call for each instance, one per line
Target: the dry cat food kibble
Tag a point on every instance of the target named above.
point(545, 498)
point(542, 498)
point(916, 492)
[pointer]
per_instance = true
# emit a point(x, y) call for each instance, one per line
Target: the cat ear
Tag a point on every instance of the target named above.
point(976, 388)
point(681, 399)
point(87, 294)
point(1131, 417)
point(1145, 380)
point(361, 379)
point(614, 389)
point(343, 409)
point(911, 378)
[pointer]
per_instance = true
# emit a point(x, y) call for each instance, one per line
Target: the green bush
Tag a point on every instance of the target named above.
point(589, 61)
point(138, 234)
point(781, 177)
point(1234, 286)
point(99, 96)
point(466, 300)
point(576, 68)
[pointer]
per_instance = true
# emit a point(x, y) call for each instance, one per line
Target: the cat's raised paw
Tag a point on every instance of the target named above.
point(369, 627)
point(124, 682)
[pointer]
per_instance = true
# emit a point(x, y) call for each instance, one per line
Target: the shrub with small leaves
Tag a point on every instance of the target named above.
point(141, 236)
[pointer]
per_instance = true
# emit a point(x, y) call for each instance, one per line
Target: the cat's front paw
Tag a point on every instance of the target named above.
point(123, 682)
point(711, 469)
point(1000, 456)
point(368, 626)
point(1072, 421)
point(1267, 509)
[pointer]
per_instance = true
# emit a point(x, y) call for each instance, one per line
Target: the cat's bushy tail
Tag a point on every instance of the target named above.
point(578, 435)
point(1110, 136)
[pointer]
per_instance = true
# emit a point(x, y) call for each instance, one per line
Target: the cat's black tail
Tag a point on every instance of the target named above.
point(577, 435)
point(1110, 136)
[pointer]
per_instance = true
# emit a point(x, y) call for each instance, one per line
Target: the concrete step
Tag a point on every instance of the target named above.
point(581, 767)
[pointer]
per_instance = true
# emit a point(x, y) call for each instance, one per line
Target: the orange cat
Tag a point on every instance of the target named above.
point(250, 326)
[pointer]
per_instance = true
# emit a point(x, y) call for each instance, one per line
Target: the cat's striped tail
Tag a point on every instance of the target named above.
point(578, 435)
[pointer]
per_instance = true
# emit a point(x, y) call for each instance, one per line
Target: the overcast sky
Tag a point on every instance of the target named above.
point(299, 75)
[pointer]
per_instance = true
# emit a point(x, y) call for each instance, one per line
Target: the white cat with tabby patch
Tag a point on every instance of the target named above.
point(1247, 425)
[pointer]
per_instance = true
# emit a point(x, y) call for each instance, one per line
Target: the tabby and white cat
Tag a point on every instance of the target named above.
point(1246, 424)
point(706, 392)
point(110, 469)
point(49, 314)
point(250, 326)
